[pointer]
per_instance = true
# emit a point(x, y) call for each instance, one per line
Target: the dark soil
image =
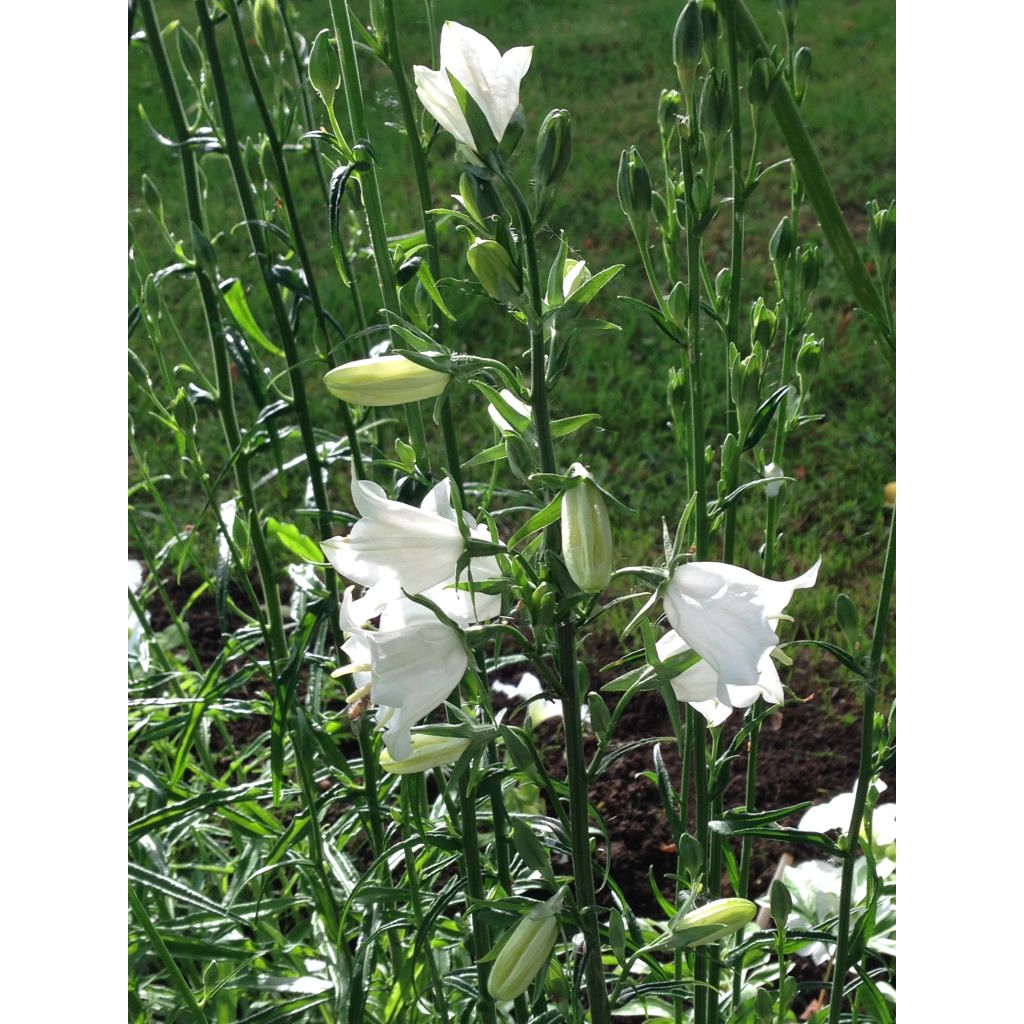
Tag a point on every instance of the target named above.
point(808, 751)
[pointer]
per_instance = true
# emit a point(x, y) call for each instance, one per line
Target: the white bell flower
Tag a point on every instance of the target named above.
point(725, 614)
point(414, 663)
point(490, 77)
point(699, 686)
point(397, 547)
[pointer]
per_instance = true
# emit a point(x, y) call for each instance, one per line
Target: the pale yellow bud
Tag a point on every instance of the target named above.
point(384, 380)
point(723, 916)
point(428, 751)
point(586, 534)
point(526, 952)
point(890, 495)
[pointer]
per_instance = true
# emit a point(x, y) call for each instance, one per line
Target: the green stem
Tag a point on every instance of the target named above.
point(419, 163)
point(300, 249)
point(211, 310)
point(816, 184)
point(867, 729)
point(480, 937)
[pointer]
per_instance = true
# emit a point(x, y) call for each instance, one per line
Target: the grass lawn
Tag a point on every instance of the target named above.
point(607, 65)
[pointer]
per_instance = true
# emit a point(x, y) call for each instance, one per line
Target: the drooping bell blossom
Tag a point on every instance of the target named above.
point(396, 547)
point(725, 614)
point(698, 685)
point(414, 662)
point(490, 77)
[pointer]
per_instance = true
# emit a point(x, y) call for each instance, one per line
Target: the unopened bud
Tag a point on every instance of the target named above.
point(679, 305)
point(586, 534)
point(780, 248)
point(668, 111)
point(762, 80)
point(774, 474)
point(494, 269)
point(763, 323)
point(384, 380)
point(715, 920)
point(526, 951)
point(191, 56)
point(890, 495)
point(801, 72)
point(574, 276)
point(634, 187)
point(687, 40)
point(267, 21)
point(715, 108)
point(810, 267)
point(808, 359)
point(554, 149)
point(428, 751)
point(479, 198)
point(324, 67)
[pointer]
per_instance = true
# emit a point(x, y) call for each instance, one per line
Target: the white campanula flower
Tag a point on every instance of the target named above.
point(414, 663)
point(699, 686)
point(395, 546)
point(490, 77)
point(725, 614)
point(774, 475)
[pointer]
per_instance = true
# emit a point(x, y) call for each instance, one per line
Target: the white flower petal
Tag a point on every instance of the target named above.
point(435, 93)
point(713, 710)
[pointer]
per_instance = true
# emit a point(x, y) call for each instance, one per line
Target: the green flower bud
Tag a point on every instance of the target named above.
point(763, 323)
point(586, 534)
point(191, 56)
point(715, 920)
point(715, 108)
point(679, 305)
point(267, 21)
point(780, 248)
point(634, 187)
point(542, 606)
point(384, 380)
point(324, 68)
point(701, 194)
point(808, 359)
point(810, 267)
point(781, 902)
point(669, 107)
point(687, 40)
point(762, 81)
point(526, 951)
point(428, 751)
point(801, 72)
point(495, 270)
point(723, 282)
point(479, 197)
point(554, 149)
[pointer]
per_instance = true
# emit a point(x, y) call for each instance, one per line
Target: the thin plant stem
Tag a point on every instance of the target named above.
point(867, 728)
point(211, 309)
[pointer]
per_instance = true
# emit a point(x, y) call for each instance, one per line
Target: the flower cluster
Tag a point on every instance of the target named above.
point(412, 660)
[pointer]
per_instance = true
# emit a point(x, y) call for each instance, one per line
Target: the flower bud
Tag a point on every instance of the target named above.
point(634, 187)
point(526, 951)
point(668, 111)
point(384, 380)
point(725, 916)
point(679, 305)
point(808, 359)
point(479, 198)
point(574, 276)
point(586, 534)
point(191, 56)
point(890, 495)
point(428, 751)
point(763, 323)
point(554, 150)
point(780, 248)
point(810, 267)
point(687, 40)
point(267, 21)
point(801, 72)
point(773, 473)
point(715, 108)
point(494, 269)
point(324, 67)
point(762, 80)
